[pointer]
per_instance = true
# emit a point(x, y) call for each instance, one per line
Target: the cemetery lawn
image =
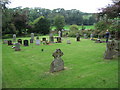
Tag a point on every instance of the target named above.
point(84, 66)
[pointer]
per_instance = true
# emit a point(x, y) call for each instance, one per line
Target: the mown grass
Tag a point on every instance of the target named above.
point(67, 27)
point(84, 66)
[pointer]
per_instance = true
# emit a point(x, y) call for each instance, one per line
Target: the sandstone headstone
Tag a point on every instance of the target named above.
point(110, 50)
point(57, 64)
point(26, 43)
point(14, 37)
point(17, 47)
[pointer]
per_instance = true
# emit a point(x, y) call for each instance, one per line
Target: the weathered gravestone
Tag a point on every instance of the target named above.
point(91, 36)
point(5, 41)
point(17, 47)
point(20, 41)
point(26, 43)
point(111, 50)
point(37, 41)
point(57, 64)
point(59, 33)
point(32, 36)
point(68, 42)
point(85, 36)
point(59, 40)
point(10, 42)
point(51, 38)
point(77, 36)
point(14, 37)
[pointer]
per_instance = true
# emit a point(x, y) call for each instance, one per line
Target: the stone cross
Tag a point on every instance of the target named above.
point(32, 36)
point(14, 37)
point(57, 64)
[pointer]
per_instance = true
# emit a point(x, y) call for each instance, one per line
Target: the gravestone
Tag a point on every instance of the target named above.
point(59, 40)
point(26, 43)
point(17, 47)
point(68, 42)
point(91, 36)
point(77, 36)
point(20, 41)
point(10, 42)
point(5, 41)
point(59, 33)
point(31, 40)
point(14, 37)
point(37, 41)
point(110, 50)
point(32, 36)
point(57, 64)
point(85, 36)
point(51, 38)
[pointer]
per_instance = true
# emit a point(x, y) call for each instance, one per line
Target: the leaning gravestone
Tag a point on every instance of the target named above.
point(32, 36)
point(78, 36)
point(110, 50)
point(26, 43)
point(20, 41)
point(10, 42)
point(58, 63)
point(14, 37)
point(51, 38)
point(17, 47)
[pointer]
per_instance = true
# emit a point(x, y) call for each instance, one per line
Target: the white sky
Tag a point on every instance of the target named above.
point(89, 6)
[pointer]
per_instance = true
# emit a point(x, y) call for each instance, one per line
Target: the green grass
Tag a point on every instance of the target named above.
point(84, 66)
point(67, 27)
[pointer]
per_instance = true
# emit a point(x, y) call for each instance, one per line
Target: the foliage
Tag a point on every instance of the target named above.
point(59, 22)
point(41, 25)
point(74, 27)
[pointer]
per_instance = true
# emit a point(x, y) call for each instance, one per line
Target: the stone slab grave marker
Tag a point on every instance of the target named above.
point(85, 36)
point(110, 50)
point(57, 64)
point(14, 37)
point(26, 43)
point(17, 47)
point(77, 36)
point(20, 41)
point(68, 42)
point(10, 42)
point(59, 40)
point(5, 41)
point(32, 36)
point(37, 41)
point(51, 38)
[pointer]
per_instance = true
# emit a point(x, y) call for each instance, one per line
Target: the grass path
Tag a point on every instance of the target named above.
point(84, 66)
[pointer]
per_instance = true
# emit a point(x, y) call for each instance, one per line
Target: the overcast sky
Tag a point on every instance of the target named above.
point(90, 6)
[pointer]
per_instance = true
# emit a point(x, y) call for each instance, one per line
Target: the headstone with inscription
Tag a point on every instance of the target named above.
point(26, 43)
point(57, 64)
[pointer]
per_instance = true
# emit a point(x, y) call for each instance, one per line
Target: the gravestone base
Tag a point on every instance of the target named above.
point(57, 65)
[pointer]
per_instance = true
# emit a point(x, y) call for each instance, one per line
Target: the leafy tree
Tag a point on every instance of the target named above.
point(74, 27)
point(41, 25)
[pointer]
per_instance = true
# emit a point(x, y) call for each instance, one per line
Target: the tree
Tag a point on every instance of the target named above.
point(74, 27)
point(41, 25)
point(59, 23)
